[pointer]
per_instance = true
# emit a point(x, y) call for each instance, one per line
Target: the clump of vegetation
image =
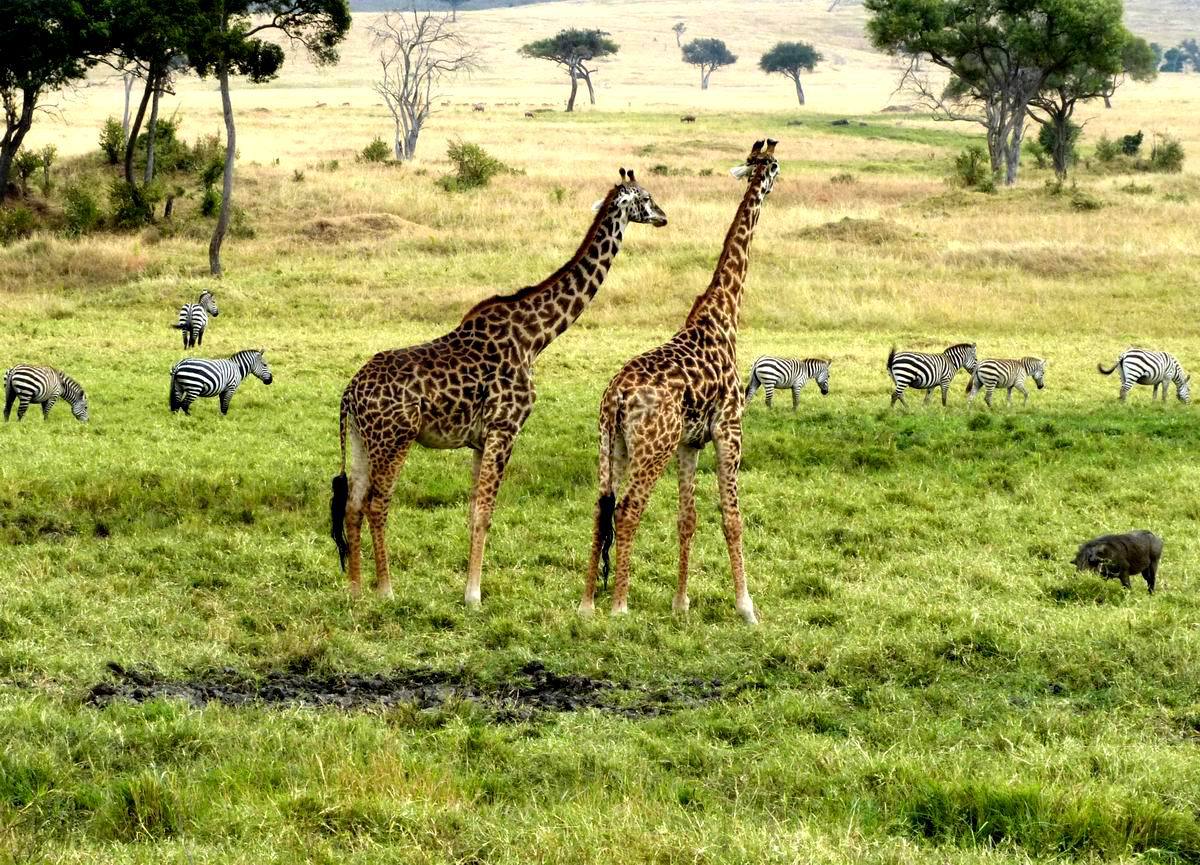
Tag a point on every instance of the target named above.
point(132, 208)
point(662, 170)
point(210, 199)
point(81, 211)
point(1081, 200)
point(1166, 155)
point(48, 155)
point(16, 223)
point(973, 170)
point(843, 179)
point(112, 140)
point(376, 151)
point(25, 165)
point(1131, 144)
point(1048, 143)
point(297, 176)
point(1107, 150)
point(474, 167)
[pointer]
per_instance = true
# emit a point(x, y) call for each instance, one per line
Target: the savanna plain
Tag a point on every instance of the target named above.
point(931, 681)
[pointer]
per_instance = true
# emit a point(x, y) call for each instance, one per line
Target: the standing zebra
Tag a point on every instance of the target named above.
point(772, 372)
point(993, 373)
point(1140, 366)
point(193, 319)
point(928, 371)
point(196, 377)
point(42, 384)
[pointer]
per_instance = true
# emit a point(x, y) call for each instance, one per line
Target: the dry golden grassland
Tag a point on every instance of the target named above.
point(931, 681)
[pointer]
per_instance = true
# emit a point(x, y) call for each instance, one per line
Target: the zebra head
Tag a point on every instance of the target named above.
point(1036, 367)
point(75, 396)
point(635, 202)
point(963, 355)
point(1183, 391)
point(821, 374)
point(761, 163)
point(252, 362)
point(208, 303)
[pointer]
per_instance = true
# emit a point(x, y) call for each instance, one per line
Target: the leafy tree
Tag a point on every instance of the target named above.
point(44, 46)
point(1097, 75)
point(573, 50)
point(790, 59)
point(999, 53)
point(1173, 60)
point(454, 5)
point(679, 29)
point(708, 54)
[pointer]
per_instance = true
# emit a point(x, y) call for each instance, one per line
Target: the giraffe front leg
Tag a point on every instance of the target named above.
point(688, 457)
point(496, 451)
point(384, 467)
point(727, 439)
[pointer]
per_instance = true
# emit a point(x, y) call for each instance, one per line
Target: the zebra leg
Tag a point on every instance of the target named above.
point(1024, 393)
point(226, 398)
point(497, 449)
point(945, 392)
point(972, 389)
point(22, 407)
point(199, 336)
point(1008, 397)
point(795, 397)
point(186, 402)
point(928, 395)
point(688, 458)
point(186, 336)
point(1154, 392)
point(727, 439)
point(987, 394)
point(768, 393)
point(898, 395)
point(47, 405)
point(751, 387)
point(1126, 387)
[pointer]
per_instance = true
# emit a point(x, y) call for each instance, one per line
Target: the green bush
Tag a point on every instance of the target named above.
point(1131, 144)
point(81, 211)
point(48, 154)
point(376, 151)
point(1047, 139)
point(843, 179)
point(1106, 149)
point(210, 202)
point(132, 208)
point(474, 167)
point(973, 170)
point(1167, 155)
point(25, 164)
point(1081, 200)
point(112, 141)
point(16, 223)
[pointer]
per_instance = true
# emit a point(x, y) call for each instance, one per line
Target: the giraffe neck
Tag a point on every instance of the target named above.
point(717, 308)
point(538, 314)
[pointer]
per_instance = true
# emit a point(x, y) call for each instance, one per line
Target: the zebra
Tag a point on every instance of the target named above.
point(193, 319)
point(196, 377)
point(928, 371)
point(1141, 366)
point(25, 384)
point(772, 372)
point(1007, 373)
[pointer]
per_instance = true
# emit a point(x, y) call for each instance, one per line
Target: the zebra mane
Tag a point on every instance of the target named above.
point(72, 390)
point(963, 345)
point(244, 359)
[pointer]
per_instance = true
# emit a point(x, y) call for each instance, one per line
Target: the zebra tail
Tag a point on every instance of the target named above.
point(172, 399)
point(751, 385)
point(891, 357)
point(1104, 371)
point(177, 326)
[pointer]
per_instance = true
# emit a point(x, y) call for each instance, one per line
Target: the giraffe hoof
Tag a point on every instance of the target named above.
point(385, 593)
point(748, 614)
point(473, 601)
point(622, 610)
point(681, 605)
point(587, 609)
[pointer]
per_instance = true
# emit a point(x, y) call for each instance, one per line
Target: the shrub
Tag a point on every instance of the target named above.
point(25, 164)
point(1166, 155)
point(474, 167)
point(1131, 144)
point(376, 151)
point(973, 170)
point(132, 207)
point(1106, 149)
point(48, 154)
point(210, 201)
point(297, 176)
point(15, 223)
point(843, 179)
point(1081, 200)
point(1047, 138)
point(81, 211)
point(112, 141)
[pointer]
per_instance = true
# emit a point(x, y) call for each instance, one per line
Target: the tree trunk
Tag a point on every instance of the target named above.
point(704, 78)
point(131, 138)
point(410, 141)
point(222, 226)
point(14, 136)
point(799, 90)
point(587, 79)
point(151, 137)
point(128, 79)
point(1060, 153)
point(574, 88)
point(398, 142)
point(1107, 101)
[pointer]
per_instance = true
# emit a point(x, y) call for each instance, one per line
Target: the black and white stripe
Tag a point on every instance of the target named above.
point(1007, 373)
point(25, 384)
point(1140, 366)
point(193, 319)
point(772, 372)
point(196, 377)
point(924, 371)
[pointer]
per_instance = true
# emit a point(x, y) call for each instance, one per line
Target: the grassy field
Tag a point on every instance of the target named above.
point(931, 682)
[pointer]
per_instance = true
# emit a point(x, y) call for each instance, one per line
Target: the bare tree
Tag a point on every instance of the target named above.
point(417, 51)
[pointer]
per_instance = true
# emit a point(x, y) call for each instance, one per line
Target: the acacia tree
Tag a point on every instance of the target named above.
point(1095, 77)
point(230, 44)
point(417, 50)
point(999, 53)
point(44, 46)
point(790, 59)
point(573, 50)
point(454, 5)
point(679, 29)
point(708, 54)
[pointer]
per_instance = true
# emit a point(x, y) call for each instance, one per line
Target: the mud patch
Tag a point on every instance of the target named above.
point(530, 691)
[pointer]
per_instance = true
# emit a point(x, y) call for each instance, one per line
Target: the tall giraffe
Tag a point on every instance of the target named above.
point(673, 400)
point(471, 388)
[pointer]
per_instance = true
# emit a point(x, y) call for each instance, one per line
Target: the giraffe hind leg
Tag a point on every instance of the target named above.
point(496, 451)
point(688, 457)
point(651, 449)
point(383, 467)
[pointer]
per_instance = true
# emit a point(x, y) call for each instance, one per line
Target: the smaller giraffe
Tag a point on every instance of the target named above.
point(671, 401)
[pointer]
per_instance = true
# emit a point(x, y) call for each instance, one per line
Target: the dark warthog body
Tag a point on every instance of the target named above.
point(1119, 556)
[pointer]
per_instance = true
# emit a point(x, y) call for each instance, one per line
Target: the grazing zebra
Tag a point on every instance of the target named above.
point(42, 384)
point(196, 377)
point(1140, 366)
point(928, 371)
point(993, 373)
point(193, 319)
point(773, 372)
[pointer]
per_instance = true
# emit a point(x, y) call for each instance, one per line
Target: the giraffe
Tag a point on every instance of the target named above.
point(673, 400)
point(471, 388)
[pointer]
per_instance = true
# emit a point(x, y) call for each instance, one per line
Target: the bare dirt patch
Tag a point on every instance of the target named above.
point(529, 691)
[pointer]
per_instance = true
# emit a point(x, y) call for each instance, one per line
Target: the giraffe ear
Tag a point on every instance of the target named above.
point(596, 207)
point(740, 170)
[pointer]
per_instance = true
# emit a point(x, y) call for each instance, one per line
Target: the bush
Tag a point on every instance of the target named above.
point(48, 154)
point(1166, 155)
point(843, 179)
point(1131, 144)
point(297, 176)
point(1048, 137)
point(1081, 200)
point(973, 170)
point(474, 167)
point(376, 151)
point(16, 223)
point(25, 164)
point(210, 202)
point(132, 208)
point(1106, 149)
point(81, 211)
point(112, 141)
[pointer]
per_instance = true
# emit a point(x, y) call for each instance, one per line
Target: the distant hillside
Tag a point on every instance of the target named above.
point(386, 5)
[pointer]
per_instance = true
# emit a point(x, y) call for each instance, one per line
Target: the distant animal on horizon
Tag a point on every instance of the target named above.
point(1007, 373)
point(478, 106)
point(193, 319)
point(688, 118)
point(772, 372)
point(918, 369)
point(196, 377)
point(24, 384)
point(1141, 366)
point(1116, 557)
point(529, 114)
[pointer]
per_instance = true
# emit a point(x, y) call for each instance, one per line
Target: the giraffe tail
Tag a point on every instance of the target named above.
point(606, 506)
point(341, 495)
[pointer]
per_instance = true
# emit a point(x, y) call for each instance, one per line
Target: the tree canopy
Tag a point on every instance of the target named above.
point(709, 54)
point(573, 49)
point(790, 59)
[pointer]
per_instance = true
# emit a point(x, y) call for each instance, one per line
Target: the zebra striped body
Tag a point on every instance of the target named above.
point(43, 385)
point(772, 372)
point(193, 319)
point(1006, 373)
point(196, 377)
point(1157, 368)
point(928, 371)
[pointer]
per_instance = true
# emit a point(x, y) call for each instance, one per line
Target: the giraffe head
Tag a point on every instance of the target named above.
point(760, 166)
point(635, 202)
